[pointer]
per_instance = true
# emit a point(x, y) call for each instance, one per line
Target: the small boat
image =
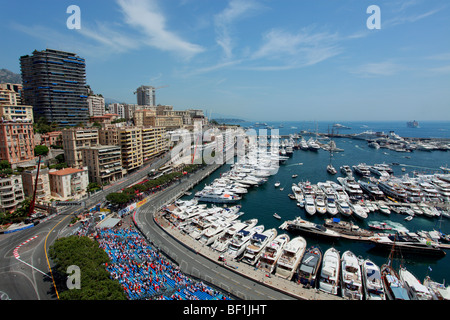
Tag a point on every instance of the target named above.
point(409, 218)
point(276, 215)
point(331, 169)
point(329, 275)
point(277, 184)
point(294, 175)
point(379, 226)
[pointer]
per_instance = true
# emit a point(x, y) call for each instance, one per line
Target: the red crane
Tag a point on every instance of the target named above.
point(31, 209)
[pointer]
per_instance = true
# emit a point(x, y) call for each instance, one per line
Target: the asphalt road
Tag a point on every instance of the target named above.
point(28, 277)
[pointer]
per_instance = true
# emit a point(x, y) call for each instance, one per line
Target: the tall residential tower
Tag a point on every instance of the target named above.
point(54, 83)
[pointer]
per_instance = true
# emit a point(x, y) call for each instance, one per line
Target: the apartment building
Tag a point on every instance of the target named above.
point(142, 117)
point(104, 163)
point(43, 192)
point(10, 94)
point(96, 105)
point(16, 142)
point(130, 141)
point(51, 138)
point(11, 193)
point(68, 183)
point(73, 140)
point(154, 142)
point(54, 83)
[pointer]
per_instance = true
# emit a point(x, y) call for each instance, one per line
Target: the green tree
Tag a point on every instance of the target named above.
point(95, 283)
point(41, 150)
point(93, 186)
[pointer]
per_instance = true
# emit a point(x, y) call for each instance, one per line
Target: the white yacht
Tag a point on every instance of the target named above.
point(272, 253)
point(416, 290)
point(290, 258)
point(321, 206)
point(346, 170)
point(329, 275)
point(344, 208)
point(240, 240)
point(392, 189)
point(222, 242)
point(351, 276)
point(350, 185)
point(257, 244)
point(358, 210)
point(373, 284)
point(331, 206)
point(212, 233)
point(384, 208)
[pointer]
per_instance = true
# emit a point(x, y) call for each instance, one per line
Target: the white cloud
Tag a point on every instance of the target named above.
point(236, 9)
point(294, 50)
point(385, 68)
point(145, 18)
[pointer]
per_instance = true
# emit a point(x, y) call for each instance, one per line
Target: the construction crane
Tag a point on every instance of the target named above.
point(31, 209)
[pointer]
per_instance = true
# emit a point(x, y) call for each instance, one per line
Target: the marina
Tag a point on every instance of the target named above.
point(385, 214)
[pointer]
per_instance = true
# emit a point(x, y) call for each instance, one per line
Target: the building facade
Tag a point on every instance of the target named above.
point(130, 141)
point(96, 105)
point(146, 96)
point(43, 184)
point(68, 183)
point(104, 163)
point(54, 83)
point(73, 140)
point(11, 193)
point(16, 142)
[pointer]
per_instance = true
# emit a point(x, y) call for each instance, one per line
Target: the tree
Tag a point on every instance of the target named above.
point(93, 186)
point(95, 283)
point(41, 150)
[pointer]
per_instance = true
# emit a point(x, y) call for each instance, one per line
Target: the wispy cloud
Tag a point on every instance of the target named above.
point(376, 69)
point(236, 10)
point(402, 18)
point(146, 18)
point(294, 50)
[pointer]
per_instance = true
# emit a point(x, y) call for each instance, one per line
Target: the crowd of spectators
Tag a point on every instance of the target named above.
point(145, 273)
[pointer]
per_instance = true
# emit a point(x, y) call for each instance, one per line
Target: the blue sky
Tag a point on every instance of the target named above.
point(256, 59)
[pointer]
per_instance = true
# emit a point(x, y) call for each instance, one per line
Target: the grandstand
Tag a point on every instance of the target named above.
point(145, 274)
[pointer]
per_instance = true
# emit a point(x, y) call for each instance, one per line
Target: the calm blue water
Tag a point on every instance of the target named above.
point(264, 201)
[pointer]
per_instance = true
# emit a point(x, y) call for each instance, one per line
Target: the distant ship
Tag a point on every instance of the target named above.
point(412, 124)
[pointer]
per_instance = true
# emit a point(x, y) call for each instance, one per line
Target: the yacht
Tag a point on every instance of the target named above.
point(257, 244)
point(272, 253)
point(357, 210)
point(290, 258)
point(309, 266)
point(240, 240)
point(351, 186)
point(384, 208)
point(351, 276)
point(373, 284)
point(212, 233)
point(345, 169)
point(371, 189)
point(222, 242)
point(331, 169)
point(392, 189)
point(331, 206)
point(313, 145)
point(362, 169)
point(329, 275)
point(395, 288)
point(303, 144)
point(321, 206)
point(379, 171)
point(344, 208)
point(339, 191)
point(416, 290)
point(217, 197)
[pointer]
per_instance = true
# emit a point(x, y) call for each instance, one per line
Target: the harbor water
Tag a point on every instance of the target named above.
point(263, 201)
